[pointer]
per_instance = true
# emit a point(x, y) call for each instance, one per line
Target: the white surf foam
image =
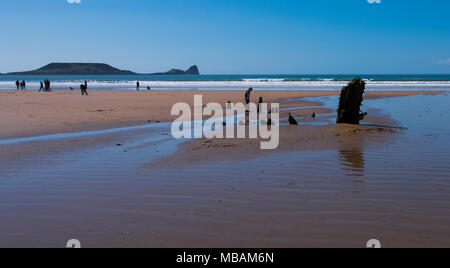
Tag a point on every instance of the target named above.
point(261, 84)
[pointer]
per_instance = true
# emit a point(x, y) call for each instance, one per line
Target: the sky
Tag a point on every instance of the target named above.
point(230, 36)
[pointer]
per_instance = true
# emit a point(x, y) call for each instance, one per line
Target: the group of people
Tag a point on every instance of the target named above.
point(21, 85)
point(45, 86)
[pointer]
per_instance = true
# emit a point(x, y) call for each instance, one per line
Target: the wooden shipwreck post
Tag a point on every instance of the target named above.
point(349, 110)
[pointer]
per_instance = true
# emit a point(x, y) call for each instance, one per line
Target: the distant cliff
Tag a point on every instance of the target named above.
point(95, 69)
point(76, 69)
point(193, 70)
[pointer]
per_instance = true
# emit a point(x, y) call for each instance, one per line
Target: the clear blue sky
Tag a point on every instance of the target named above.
point(230, 36)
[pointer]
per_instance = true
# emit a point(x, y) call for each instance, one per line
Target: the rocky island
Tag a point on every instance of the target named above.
point(193, 70)
point(95, 69)
point(76, 69)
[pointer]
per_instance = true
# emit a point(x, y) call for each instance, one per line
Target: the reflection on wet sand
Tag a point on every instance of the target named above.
point(101, 194)
point(352, 161)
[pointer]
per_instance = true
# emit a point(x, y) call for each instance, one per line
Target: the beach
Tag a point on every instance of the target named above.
point(104, 169)
point(32, 113)
point(225, 132)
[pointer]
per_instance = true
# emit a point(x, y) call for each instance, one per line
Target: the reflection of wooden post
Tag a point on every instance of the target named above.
point(349, 110)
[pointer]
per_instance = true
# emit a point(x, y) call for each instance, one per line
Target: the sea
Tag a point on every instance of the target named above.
point(427, 82)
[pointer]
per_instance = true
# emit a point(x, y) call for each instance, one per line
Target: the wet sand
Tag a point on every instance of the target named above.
point(326, 186)
point(32, 113)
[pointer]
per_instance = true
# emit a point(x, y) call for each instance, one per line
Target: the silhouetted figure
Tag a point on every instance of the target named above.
point(17, 84)
point(83, 88)
point(138, 86)
point(259, 103)
point(41, 88)
point(23, 85)
point(313, 115)
point(148, 88)
point(47, 87)
point(292, 120)
point(248, 95)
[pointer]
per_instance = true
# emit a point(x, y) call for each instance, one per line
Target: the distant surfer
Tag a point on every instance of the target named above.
point(17, 84)
point(138, 86)
point(41, 88)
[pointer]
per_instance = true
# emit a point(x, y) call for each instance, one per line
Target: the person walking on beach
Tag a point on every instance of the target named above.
point(47, 87)
point(138, 86)
point(42, 87)
point(84, 89)
point(17, 84)
point(23, 85)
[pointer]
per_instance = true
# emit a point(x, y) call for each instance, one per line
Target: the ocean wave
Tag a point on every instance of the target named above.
point(261, 84)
